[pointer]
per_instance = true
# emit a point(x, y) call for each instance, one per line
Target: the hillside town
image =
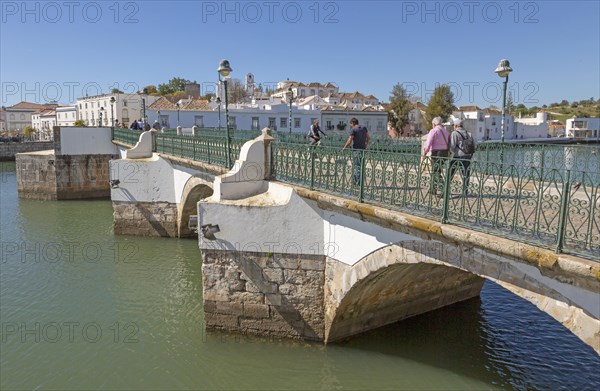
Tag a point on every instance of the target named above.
point(292, 106)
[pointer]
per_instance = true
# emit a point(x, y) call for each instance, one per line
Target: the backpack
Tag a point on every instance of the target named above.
point(467, 146)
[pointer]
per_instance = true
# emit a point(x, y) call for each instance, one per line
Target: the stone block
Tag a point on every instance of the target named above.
point(273, 299)
point(312, 264)
point(227, 322)
point(256, 310)
point(229, 308)
point(274, 275)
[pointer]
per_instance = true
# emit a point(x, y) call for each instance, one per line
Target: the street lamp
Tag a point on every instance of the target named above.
point(100, 119)
point(178, 107)
point(224, 71)
point(145, 91)
point(290, 94)
point(158, 117)
point(112, 111)
point(219, 103)
point(503, 70)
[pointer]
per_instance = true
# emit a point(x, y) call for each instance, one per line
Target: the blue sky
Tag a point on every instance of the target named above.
point(58, 49)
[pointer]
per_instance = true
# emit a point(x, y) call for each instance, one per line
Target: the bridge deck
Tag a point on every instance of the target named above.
point(544, 195)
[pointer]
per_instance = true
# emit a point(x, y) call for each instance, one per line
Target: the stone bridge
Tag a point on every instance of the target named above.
point(285, 261)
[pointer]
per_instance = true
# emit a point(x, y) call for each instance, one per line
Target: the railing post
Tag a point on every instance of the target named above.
point(312, 167)
point(564, 211)
point(447, 194)
point(361, 194)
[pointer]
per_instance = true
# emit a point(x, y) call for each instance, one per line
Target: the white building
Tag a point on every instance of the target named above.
point(66, 115)
point(203, 114)
point(536, 127)
point(337, 118)
point(302, 90)
point(44, 122)
point(18, 116)
point(125, 108)
point(583, 127)
point(485, 124)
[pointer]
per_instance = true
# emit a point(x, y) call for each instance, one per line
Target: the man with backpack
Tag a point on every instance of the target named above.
point(463, 148)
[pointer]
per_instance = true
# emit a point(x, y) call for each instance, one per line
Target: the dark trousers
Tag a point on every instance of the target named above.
point(437, 166)
point(462, 164)
point(357, 156)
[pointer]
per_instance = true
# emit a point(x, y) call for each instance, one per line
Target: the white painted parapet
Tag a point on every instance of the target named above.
point(143, 148)
point(248, 176)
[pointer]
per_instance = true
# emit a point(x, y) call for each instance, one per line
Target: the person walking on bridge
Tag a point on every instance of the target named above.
point(359, 138)
point(438, 144)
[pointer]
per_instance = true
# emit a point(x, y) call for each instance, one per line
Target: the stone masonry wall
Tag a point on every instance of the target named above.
point(82, 176)
point(145, 218)
point(46, 176)
point(8, 151)
point(36, 175)
point(276, 295)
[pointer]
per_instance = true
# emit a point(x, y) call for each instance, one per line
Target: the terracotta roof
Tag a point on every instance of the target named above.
point(170, 103)
point(26, 106)
point(469, 108)
point(491, 110)
point(196, 104)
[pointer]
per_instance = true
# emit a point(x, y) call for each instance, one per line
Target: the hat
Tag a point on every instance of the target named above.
point(458, 122)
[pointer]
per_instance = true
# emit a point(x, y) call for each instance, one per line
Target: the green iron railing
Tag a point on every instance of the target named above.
point(550, 210)
point(547, 196)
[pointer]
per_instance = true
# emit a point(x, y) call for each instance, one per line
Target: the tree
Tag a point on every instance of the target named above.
point(441, 104)
point(151, 89)
point(510, 106)
point(79, 123)
point(400, 106)
point(236, 91)
point(116, 91)
point(175, 85)
point(28, 131)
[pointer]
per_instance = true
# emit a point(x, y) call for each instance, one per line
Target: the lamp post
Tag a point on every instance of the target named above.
point(290, 94)
point(112, 111)
point(145, 91)
point(178, 107)
point(158, 118)
point(100, 119)
point(503, 70)
point(224, 71)
point(219, 103)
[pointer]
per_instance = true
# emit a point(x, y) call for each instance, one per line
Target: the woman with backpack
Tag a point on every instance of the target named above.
point(463, 148)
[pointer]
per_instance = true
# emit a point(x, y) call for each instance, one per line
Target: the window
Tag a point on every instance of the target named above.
point(283, 123)
point(312, 92)
point(297, 122)
point(86, 105)
point(480, 129)
point(199, 121)
point(164, 121)
point(232, 123)
point(272, 123)
point(329, 125)
point(22, 116)
point(380, 125)
point(124, 102)
point(254, 123)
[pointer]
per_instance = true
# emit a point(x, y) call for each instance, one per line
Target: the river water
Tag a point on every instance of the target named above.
point(81, 308)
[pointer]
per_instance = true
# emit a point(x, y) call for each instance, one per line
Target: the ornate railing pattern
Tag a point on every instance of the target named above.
point(539, 194)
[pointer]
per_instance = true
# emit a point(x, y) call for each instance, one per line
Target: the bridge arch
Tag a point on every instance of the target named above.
point(195, 189)
point(413, 277)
